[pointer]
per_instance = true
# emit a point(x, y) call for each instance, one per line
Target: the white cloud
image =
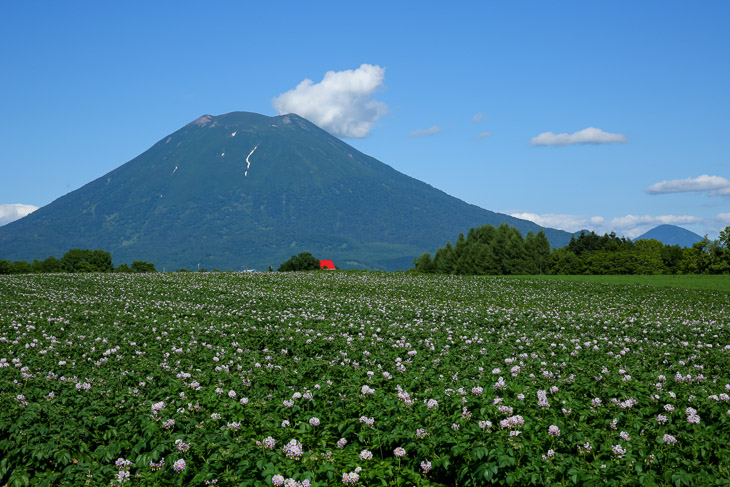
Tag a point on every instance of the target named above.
point(477, 118)
point(341, 103)
point(633, 220)
point(424, 133)
point(723, 217)
point(569, 223)
point(714, 185)
point(484, 135)
point(591, 135)
point(14, 211)
point(630, 225)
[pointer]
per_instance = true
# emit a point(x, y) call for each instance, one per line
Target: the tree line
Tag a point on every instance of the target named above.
point(75, 260)
point(503, 251)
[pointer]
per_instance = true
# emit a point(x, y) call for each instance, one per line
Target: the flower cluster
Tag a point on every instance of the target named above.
point(293, 449)
point(157, 466)
point(669, 439)
point(181, 446)
point(550, 454)
point(279, 480)
point(267, 442)
point(350, 478)
point(512, 421)
point(585, 448)
point(618, 450)
point(367, 421)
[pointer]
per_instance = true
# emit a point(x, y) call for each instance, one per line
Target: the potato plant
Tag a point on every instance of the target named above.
point(316, 379)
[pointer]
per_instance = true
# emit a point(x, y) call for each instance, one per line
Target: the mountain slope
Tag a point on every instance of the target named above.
point(244, 189)
point(671, 235)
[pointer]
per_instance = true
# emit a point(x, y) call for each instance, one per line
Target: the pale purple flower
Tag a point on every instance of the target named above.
point(293, 449)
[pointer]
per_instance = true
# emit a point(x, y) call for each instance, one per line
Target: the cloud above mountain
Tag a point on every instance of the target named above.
point(342, 103)
point(629, 225)
point(712, 185)
point(14, 211)
point(590, 135)
point(569, 223)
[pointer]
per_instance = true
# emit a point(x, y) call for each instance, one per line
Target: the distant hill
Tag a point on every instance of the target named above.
point(244, 189)
point(671, 235)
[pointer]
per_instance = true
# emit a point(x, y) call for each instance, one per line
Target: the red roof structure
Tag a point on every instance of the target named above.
point(326, 264)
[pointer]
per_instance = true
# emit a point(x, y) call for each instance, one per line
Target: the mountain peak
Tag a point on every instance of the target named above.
point(202, 120)
point(671, 235)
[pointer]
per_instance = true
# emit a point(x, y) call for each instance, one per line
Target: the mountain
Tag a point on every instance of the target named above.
point(671, 235)
point(244, 189)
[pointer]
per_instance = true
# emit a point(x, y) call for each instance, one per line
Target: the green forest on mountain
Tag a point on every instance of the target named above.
point(487, 250)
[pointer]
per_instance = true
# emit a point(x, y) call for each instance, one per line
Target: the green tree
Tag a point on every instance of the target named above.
point(22, 267)
point(85, 267)
point(72, 259)
point(141, 266)
point(648, 253)
point(720, 253)
point(541, 251)
point(700, 254)
point(84, 260)
point(101, 261)
point(302, 262)
point(672, 258)
point(51, 264)
point(424, 264)
point(515, 254)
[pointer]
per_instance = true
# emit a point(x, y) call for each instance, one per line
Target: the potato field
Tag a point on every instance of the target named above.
point(332, 378)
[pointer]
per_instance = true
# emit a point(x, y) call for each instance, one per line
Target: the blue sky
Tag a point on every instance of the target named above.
point(601, 115)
